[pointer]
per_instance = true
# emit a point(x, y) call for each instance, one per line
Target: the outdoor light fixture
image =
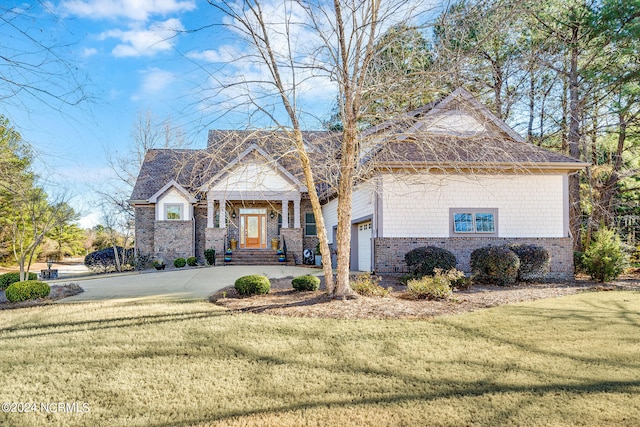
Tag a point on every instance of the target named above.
point(49, 263)
point(233, 214)
point(273, 214)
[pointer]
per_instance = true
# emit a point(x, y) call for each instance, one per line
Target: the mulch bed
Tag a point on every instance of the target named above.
point(282, 300)
point(57, 292)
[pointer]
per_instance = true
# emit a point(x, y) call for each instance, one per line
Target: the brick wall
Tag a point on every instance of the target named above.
point(144, 229)
point(293, 239)
point(215, 238)
point(389, 252)
point(173, 239)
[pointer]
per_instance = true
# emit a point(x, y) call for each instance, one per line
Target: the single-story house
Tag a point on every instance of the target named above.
point(448, 174)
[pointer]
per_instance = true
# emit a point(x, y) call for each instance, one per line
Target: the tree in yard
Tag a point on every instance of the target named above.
point(296, 45)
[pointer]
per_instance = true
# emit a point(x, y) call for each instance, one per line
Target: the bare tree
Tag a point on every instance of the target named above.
point(296, 45)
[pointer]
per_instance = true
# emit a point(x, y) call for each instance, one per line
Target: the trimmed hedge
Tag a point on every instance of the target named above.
point(306, 283)
point(192, 261)
point(534, 262)
point(8, 279)
point(29, 289)
point(424, 261)
point(179, 262)
point(210, 256)
point(495, 265)
point(254, 284)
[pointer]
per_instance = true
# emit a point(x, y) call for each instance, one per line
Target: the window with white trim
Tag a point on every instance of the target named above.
point(310, 224)
point(173, 211)
point(473, 222)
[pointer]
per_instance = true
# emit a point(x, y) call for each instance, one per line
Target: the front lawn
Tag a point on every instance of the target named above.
point(566, 361)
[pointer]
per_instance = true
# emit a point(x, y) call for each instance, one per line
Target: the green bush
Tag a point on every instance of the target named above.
point(367, 285)
point(425, 260)
point(179, 262)
point(534, 262)
point(29, 289)
point(578, 266)
point(210, 256)
point(434, 287)
point(192, 261)
point(306, 283)
point(605, 258)
point(10, 278)
point(495, 265)
point(254, 284)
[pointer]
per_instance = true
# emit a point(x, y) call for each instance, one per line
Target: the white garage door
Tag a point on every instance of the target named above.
point(364, 246)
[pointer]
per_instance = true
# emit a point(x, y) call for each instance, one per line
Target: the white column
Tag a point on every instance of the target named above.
point(211, 213)
point(223, 213)
point(285, 214)
point(296, 213)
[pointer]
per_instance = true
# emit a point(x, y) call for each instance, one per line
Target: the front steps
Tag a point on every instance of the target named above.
point(257, 257)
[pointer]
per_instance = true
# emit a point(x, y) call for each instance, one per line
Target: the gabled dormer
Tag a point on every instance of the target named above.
point(173, 203)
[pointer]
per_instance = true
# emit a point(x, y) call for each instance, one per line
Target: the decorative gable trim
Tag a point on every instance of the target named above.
point(268, 159)
point(477, 107)
point(167, 186)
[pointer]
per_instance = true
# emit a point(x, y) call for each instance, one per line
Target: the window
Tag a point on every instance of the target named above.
point(173, 212)
point(481, 221)
point(310, 224)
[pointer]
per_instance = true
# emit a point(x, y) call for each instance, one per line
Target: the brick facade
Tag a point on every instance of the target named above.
point(173, 239)
point(389, 252)
point(293, 239)
point(144, 223)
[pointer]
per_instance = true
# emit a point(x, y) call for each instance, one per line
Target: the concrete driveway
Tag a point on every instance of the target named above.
point(181, 284)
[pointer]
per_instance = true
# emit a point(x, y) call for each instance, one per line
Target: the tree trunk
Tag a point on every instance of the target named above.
point(573, 141)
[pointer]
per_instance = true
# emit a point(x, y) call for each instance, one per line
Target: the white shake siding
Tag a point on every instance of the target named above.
point(173, 197)
point(362, 206)
point(418, 205)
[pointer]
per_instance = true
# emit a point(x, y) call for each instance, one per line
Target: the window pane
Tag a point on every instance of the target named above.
point(310, 224)
point(173, 212)
point(463, 223)
point(485, 223)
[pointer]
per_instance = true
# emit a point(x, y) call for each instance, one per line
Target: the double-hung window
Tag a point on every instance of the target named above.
point(474, 222)
point(310, 224)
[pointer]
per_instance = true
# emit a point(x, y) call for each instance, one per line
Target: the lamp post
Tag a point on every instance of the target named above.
point(49, 263)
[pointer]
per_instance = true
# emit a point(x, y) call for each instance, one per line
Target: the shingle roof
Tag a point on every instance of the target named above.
point(456, 131)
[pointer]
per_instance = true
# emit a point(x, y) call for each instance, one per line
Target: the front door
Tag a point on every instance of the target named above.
point(253, 229)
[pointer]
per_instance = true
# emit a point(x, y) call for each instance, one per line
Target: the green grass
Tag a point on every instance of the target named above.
point(568, 361)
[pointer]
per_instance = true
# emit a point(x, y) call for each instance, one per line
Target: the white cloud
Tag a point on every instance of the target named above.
point(136, 10)
point(155, 82)
point(158, 37)
point(89, 51)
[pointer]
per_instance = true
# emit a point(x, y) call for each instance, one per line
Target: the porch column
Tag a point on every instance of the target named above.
point(296, 213)
point(223, 213)
point(285, 214)
point(211, 213)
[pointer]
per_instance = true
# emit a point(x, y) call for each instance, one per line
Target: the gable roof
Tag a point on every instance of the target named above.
point(253, 148)
point(172, 184)
point(457, 131)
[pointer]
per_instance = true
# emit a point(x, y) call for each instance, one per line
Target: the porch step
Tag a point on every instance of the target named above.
point(257, 257)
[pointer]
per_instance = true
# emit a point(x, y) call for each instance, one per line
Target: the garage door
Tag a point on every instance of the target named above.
point(364, 246)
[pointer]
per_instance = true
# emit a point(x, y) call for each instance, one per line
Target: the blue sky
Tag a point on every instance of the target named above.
point(130, 56)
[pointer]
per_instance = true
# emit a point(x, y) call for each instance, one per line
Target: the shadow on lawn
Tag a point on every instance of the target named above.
point(56, 328)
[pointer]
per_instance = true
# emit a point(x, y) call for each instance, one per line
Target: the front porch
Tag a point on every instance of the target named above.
point(255, 230)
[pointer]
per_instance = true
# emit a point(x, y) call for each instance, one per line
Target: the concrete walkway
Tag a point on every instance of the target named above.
point(179, 284)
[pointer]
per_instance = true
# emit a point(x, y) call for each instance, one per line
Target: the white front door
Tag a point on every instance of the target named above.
point(364, 246)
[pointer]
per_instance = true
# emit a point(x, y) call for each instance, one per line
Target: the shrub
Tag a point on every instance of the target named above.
point(306, 283)
point(425, 260)
point(210, 256)
point(10, 278)
point(433, 287)
point(29, 289)
point(104, 259)
point(179, 262)
point(605, 258)
point(578, 266)
point(254, 284)
point(367, 285)
point(534, 262)
point(495, 264)
point(192, 261)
